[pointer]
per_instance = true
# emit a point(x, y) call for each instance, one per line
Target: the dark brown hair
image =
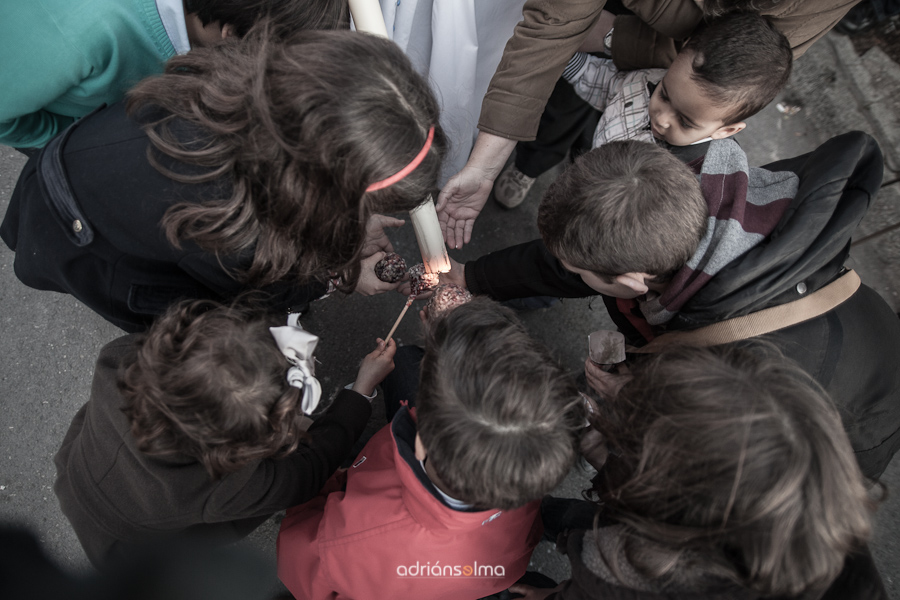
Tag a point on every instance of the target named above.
point(289, 135)
point(496, 413)
point(286, 16)
point(209, 382)
point(625, 207)
point(733, 462)
point(739, 59)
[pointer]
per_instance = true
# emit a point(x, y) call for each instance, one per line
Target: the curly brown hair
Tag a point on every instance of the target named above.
point(290, 134)
point(209, 382)
point(732, 461)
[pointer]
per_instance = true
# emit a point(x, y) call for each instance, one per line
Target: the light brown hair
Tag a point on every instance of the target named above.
point(209, 382)
point(495, 411)
point(625, 207)
point(732, 462)
point(286, 137)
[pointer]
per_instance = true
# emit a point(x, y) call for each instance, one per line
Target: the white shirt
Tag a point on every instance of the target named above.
point(171, 13)
point(450, 500)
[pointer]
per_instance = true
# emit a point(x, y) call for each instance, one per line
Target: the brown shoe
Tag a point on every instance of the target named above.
point(512, 186)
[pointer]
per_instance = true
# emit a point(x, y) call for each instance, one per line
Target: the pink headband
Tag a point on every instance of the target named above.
point(378, 185)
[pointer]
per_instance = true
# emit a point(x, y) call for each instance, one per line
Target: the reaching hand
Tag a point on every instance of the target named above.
point(456, 275)
point(464, 195)
point(375, 367)
point(460, 203)
point(376, 239)
point(368, 283)
point(604, 383)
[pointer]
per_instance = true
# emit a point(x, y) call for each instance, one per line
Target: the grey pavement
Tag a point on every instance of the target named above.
point(49, 341)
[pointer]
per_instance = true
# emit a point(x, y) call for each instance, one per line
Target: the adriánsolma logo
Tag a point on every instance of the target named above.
point(439, 570)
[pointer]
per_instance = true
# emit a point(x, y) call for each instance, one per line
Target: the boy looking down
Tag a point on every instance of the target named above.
point(627, 221)
point(728, 71)
point(443, 502)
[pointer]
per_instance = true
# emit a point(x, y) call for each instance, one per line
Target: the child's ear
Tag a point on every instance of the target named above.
point(727, 130)
point(421, 452)
point(634, 282)
point(228, 31)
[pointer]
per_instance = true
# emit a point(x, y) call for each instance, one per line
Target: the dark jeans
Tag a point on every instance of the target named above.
point(568, 122)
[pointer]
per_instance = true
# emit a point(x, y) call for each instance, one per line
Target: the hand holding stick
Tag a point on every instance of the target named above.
point(397, 322)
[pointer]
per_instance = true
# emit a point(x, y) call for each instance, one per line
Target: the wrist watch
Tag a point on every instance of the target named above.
point(607, 41)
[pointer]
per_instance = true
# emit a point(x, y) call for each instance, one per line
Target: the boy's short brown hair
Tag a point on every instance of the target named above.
point(740, 60)
point(625, 207)
point(495, 411)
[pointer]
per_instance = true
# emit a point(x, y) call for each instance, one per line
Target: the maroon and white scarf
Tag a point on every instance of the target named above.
point(745, 205)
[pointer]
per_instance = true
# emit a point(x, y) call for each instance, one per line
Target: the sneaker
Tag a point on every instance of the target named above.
point(512, 186)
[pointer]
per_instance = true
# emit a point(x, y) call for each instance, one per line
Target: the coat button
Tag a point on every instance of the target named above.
point(801, 288)
point(77, 226)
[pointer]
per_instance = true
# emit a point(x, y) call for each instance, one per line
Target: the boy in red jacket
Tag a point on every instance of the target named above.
point(442, 503)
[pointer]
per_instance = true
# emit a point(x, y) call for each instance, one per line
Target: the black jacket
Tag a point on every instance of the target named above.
point(84, 219)
point(852, 351)
point(115, 496)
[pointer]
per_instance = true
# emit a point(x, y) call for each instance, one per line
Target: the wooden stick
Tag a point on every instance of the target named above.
point(397, 322)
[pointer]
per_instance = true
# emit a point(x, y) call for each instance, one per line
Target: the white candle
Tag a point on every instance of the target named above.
point(367, 17)
point(431, 240)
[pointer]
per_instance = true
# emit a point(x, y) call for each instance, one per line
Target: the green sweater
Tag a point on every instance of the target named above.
point(64, 58)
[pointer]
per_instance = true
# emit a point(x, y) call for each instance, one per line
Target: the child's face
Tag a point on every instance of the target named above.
point(680, 111)
point(630, 285)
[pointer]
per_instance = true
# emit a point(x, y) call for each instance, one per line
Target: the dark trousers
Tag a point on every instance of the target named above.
point(568, 123)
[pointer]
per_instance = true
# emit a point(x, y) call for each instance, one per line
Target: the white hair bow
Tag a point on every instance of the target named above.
point(298, 346)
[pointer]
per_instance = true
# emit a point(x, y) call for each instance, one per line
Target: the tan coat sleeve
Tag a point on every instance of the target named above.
point(533, 60)
point(651, 38)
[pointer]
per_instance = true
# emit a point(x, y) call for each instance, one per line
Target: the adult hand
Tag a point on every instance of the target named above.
point(605, 384)
point(464, 195)
point(532, 593)
point(376, 239)
point(368, 283)
point(375, 367)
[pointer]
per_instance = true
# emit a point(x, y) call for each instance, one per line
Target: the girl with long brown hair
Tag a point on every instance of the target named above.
point(252, 165)
point(729, 476)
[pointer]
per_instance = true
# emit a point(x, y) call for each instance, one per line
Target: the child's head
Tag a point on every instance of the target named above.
point(729, 70)
point(733, 461)
point(287, 138)
point(209, 382)
point(224, 18)
point(496, 414)
point(624, 213)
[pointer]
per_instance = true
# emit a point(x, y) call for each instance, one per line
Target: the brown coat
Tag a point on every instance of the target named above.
point(552, 30)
